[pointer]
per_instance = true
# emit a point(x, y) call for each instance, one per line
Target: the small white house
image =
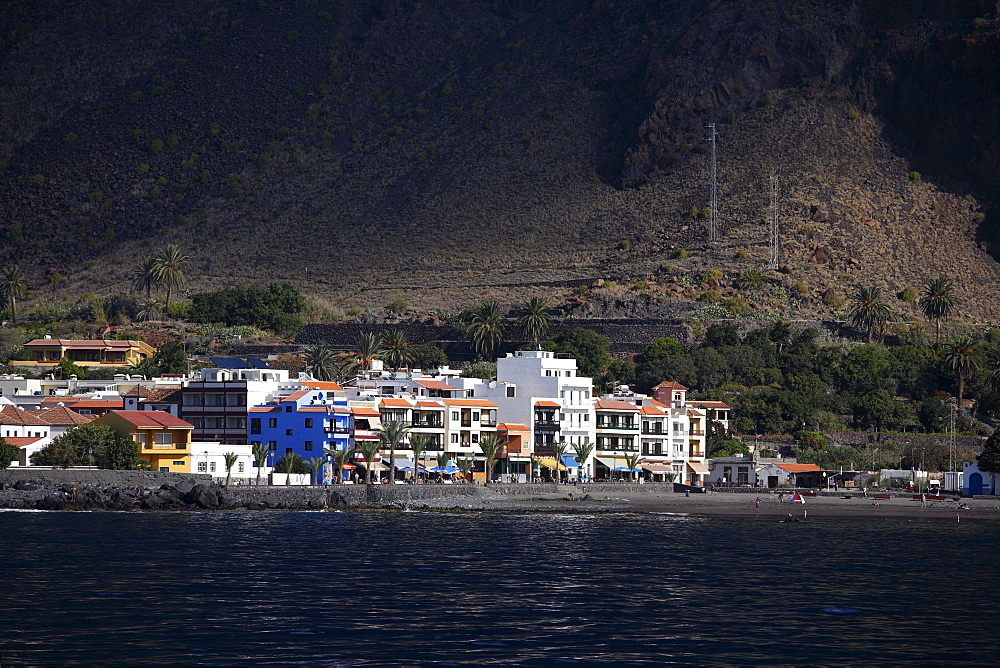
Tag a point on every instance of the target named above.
point(976, 482)
point(209, 457)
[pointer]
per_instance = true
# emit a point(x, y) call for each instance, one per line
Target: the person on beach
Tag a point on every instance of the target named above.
point(756, 503)
point(923, 500)
point(781, 497)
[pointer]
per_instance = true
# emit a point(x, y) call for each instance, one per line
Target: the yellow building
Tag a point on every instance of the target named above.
point(90, 353)
point(164, 440)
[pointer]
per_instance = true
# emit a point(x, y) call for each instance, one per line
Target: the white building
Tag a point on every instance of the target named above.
point(209, 457)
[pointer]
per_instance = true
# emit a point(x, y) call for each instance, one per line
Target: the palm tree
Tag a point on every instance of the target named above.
point(145, 367)
point(535, 318)
point(583, 452)
point(559, 449)
point(260, 452)
point(144, 276)
point(868, 312)
point(369, 348)
point(316, 465)
point(12, 287)
point(288, 465)
point(443, 458)
point(632, 462)
point(751, 278)
point(962, 358)
point(391, 434)
point(492, 446)
point(418, 444)
point(487, 329)
point(340, 458)
point(230, 461)
point(937, 301)
point(465, 465)
point(169, 273)
point(344, 367)
point(396, 349)
point(148, 309)
point(991, 368)
point(369, 449)
point(320, 362)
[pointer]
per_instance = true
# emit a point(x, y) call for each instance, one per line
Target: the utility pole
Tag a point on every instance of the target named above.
point(713, 224)
point(773, 261)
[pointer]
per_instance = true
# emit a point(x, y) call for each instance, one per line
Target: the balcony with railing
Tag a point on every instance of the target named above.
point(336, 429)
point(696, 432)
point(616, 424)
point(427, 424)
point(546, 425)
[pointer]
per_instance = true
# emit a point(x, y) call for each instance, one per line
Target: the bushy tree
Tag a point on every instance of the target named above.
point(170, 358)
point(277, 308)
point(8, 453)
point(89, 444)
point(587, 347)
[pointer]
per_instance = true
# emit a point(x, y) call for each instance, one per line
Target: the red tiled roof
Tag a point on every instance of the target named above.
point(11, 415)
point(651, 410)
point(138, 391)
point(295, 396)
point(86, 344)
point(609, 405)
point(60, 415)
point(669, 384)
point(430, 404)
point(369, 412)
point(153, 419)
point(547, 404)
point(265, 409)
point(656, 403)
point(710, 404)
point(22, 441)
point(165, 395)
point(475, 403)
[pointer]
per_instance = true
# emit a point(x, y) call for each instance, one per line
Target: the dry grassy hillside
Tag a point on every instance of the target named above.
point(445, 152)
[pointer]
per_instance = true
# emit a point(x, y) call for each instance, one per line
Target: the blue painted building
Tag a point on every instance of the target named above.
point(307, 423)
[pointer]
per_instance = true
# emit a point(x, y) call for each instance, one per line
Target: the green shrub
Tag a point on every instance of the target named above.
point(205, 176)
point(155, 146)
point(173, 140)
point(681, 253)
point(695, 211)
point(914, 176)
point(397, 306)
point(767, 101)
point(852, 113)
point(710, 296)
point(292, 36)
point(737, 305)
point(712, 275)
point(706, 213)
point(623, 244)
point(833, 299)
point(36, 179)
point(70, 137)
point(142, 168)
point(908, 294)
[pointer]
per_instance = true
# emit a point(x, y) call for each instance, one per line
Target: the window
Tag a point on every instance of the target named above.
point(309, 423)
point(272, 423)
point(455, 416)
point(202, 467)
point(309, 445)
point(272, 445)
point(140, 437)
point(164, 469)
point(164, 438)
point(288, 451)
point(454, 438)
point(239, 467)
point(211, 467)
point(475, 437)
point(548, 372)
point(288, 409)
point(475, 416)
point(288, 432)
point(510, 391)
point(178, 463)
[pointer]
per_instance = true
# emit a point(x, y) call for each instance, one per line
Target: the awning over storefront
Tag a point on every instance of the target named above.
point(570, 461)
point(519, 459)
point(611, 462)
point(548, 463)
point(403, 464)
point(698, 467)
point(655, 468)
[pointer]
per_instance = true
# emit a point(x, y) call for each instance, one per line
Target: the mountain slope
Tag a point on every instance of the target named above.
point(449, 151)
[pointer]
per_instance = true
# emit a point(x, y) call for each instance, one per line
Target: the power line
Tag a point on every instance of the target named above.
point(713, 223)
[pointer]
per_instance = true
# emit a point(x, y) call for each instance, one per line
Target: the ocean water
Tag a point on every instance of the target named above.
point(351, 589)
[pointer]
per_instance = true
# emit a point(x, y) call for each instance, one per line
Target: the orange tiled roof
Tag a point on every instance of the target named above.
point(322, 385)
point(475, 403)
point(435, 385)
point(265, 409)
point(396, 403)
point(799, 468)
point(430, 404)
point(656, 403)
point(651, 410)
point(22, 441)
point(710, 404)
point(369, 412)
point(511, 426)
point(547, 404)
point(610, 405)
point(11, 415)
point(295, 396)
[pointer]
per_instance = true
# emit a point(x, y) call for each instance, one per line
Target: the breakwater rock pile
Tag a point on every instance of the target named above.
point(75, 489)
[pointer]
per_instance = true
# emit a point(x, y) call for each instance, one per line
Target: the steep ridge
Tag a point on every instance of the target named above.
point(448, 151)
